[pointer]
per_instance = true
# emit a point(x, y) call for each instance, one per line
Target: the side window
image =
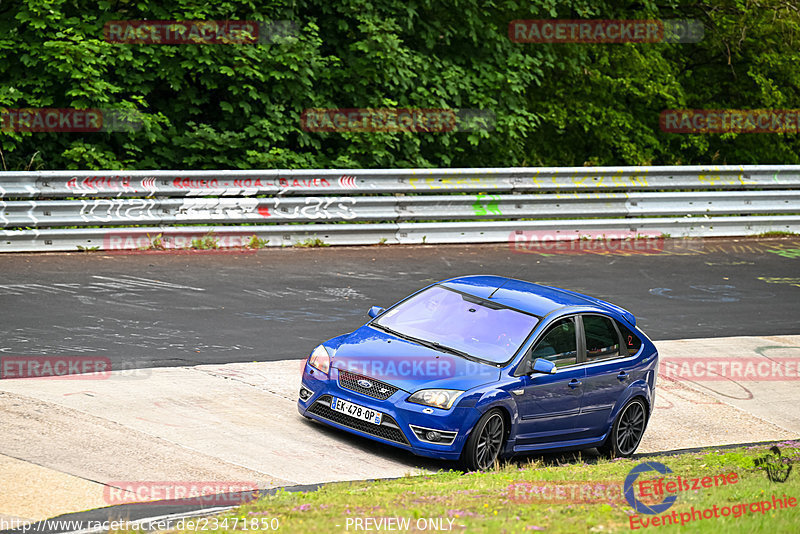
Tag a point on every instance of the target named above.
point(630, 339)
point(602, 341)
point(559, 344)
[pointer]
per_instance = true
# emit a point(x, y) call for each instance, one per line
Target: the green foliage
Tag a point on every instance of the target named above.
point(256, 242)
point(239, 106)
point(207, 242)
point(156, 243)
point(312, 242)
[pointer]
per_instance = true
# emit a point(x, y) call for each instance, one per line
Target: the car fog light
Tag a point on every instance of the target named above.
point(304, 393)
point(432, 436)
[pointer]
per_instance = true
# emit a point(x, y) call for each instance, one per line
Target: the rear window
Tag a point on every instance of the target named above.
point(602, 341)
point(630, 339)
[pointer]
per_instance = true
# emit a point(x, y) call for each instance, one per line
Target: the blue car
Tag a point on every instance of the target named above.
point(480, 368)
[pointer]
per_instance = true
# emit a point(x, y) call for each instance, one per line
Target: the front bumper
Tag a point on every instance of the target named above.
point(453, 425)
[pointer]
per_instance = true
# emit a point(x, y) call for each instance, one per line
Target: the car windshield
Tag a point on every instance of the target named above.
point(464, 324)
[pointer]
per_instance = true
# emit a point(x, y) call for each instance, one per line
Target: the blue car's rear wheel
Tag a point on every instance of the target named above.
point(485, 442)
point(627, 431)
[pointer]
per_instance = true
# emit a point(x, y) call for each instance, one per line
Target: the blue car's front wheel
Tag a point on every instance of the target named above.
point(485, 442)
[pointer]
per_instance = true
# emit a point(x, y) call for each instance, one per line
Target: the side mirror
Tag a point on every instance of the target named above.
point(375, 311)
point(543, 366)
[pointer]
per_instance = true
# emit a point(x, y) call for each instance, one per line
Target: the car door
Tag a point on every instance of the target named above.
point(548, 404)
point(608, 373)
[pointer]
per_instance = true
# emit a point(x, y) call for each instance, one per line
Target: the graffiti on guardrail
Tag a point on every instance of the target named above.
point(220, 208)
point(455, 182)
point(113, 184)
point(100, 210)
point(316, 208)
point(140, 209)
point(590, 181)
point(134, 209)
point(486, 204)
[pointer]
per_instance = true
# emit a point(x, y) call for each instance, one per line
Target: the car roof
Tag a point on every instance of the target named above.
point(529, 297)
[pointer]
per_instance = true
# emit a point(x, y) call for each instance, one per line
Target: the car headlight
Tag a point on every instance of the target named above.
point(438, 398)
point(320, 359)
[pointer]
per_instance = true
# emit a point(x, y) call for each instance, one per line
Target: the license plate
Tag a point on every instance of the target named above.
point(354, 410)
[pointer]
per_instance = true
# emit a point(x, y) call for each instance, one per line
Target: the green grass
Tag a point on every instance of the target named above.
point(206, 242)
point(484, 502)
point(256, 242)
point(312, 242)
point(777, 234)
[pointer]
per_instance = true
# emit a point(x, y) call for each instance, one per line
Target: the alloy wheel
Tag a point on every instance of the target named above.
point(489, 442)
point(630, 429)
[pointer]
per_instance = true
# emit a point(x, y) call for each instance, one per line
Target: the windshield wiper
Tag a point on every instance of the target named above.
point(430, 344)
point(451, 350)
point(393, 332)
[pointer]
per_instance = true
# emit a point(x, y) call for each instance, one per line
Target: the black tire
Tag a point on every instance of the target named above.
point(627, 431)
point(485, 442)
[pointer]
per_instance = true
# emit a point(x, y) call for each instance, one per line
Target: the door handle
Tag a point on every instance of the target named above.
point(574, 383)
point(622, 376)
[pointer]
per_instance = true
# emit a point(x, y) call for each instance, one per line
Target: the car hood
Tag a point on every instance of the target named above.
point(376, 354)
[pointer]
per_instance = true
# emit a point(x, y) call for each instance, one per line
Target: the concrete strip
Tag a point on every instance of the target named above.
point(238, 422)
point(66, 450)
point(765, 384)
point(686, 418)
point(184, 425)
point(23, 499)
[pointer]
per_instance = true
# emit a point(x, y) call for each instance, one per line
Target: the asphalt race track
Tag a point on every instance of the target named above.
point(178, 309)
point(205, 349)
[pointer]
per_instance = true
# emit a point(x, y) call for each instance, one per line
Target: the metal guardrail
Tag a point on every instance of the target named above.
point(388, 205)
point(61, 184)
point(148, 211)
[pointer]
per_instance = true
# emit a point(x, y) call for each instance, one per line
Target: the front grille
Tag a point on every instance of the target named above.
point(379, 390)
point(388, 429)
